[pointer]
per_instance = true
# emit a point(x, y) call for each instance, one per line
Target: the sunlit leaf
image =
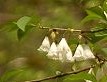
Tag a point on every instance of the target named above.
point(22, 22)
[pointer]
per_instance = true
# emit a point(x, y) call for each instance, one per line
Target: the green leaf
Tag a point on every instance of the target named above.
point(21, 34)
point(81, 76)
point(99, 27)
point(23, 27)
point(94, 13)
point(100, 33)
point(22, 22)
point(93, 38)
point(89, 18)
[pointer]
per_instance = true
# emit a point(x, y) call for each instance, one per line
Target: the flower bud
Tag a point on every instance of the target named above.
point(53, 35)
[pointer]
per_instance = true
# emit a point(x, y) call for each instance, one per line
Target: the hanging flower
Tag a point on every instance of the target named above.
point(64, 52)
point(87, 52)
point(53, 51)
point(45, 45)
point(79, 53)
point(83, 52)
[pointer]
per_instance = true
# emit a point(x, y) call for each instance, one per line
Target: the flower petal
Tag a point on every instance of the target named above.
point(87, 52)
point(83, 52)
point(69, 56)
point(45, 45)
point(79, 53)
point(64, 52)
point(53, 51)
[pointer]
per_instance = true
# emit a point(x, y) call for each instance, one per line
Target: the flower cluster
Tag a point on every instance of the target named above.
point(63, 52)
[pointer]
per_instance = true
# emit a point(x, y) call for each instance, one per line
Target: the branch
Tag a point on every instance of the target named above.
point(62, 74)
point(73, 30)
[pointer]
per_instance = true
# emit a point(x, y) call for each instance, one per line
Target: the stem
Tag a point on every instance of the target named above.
point(62, 75)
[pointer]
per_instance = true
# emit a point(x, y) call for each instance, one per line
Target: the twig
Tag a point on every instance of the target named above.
point(100, 59)
point(62, 74)
point(73, 30)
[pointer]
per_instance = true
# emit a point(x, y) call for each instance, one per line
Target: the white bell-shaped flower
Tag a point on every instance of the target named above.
point(79, 53)
point(64, 51)
point(83, 52)
point(87, 52)
point(45, 46)
point(53, 51)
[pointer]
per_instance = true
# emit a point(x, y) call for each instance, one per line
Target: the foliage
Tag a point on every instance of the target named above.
point(76, 14)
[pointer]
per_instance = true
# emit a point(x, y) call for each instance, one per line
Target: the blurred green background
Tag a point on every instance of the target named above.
point(20, 60)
